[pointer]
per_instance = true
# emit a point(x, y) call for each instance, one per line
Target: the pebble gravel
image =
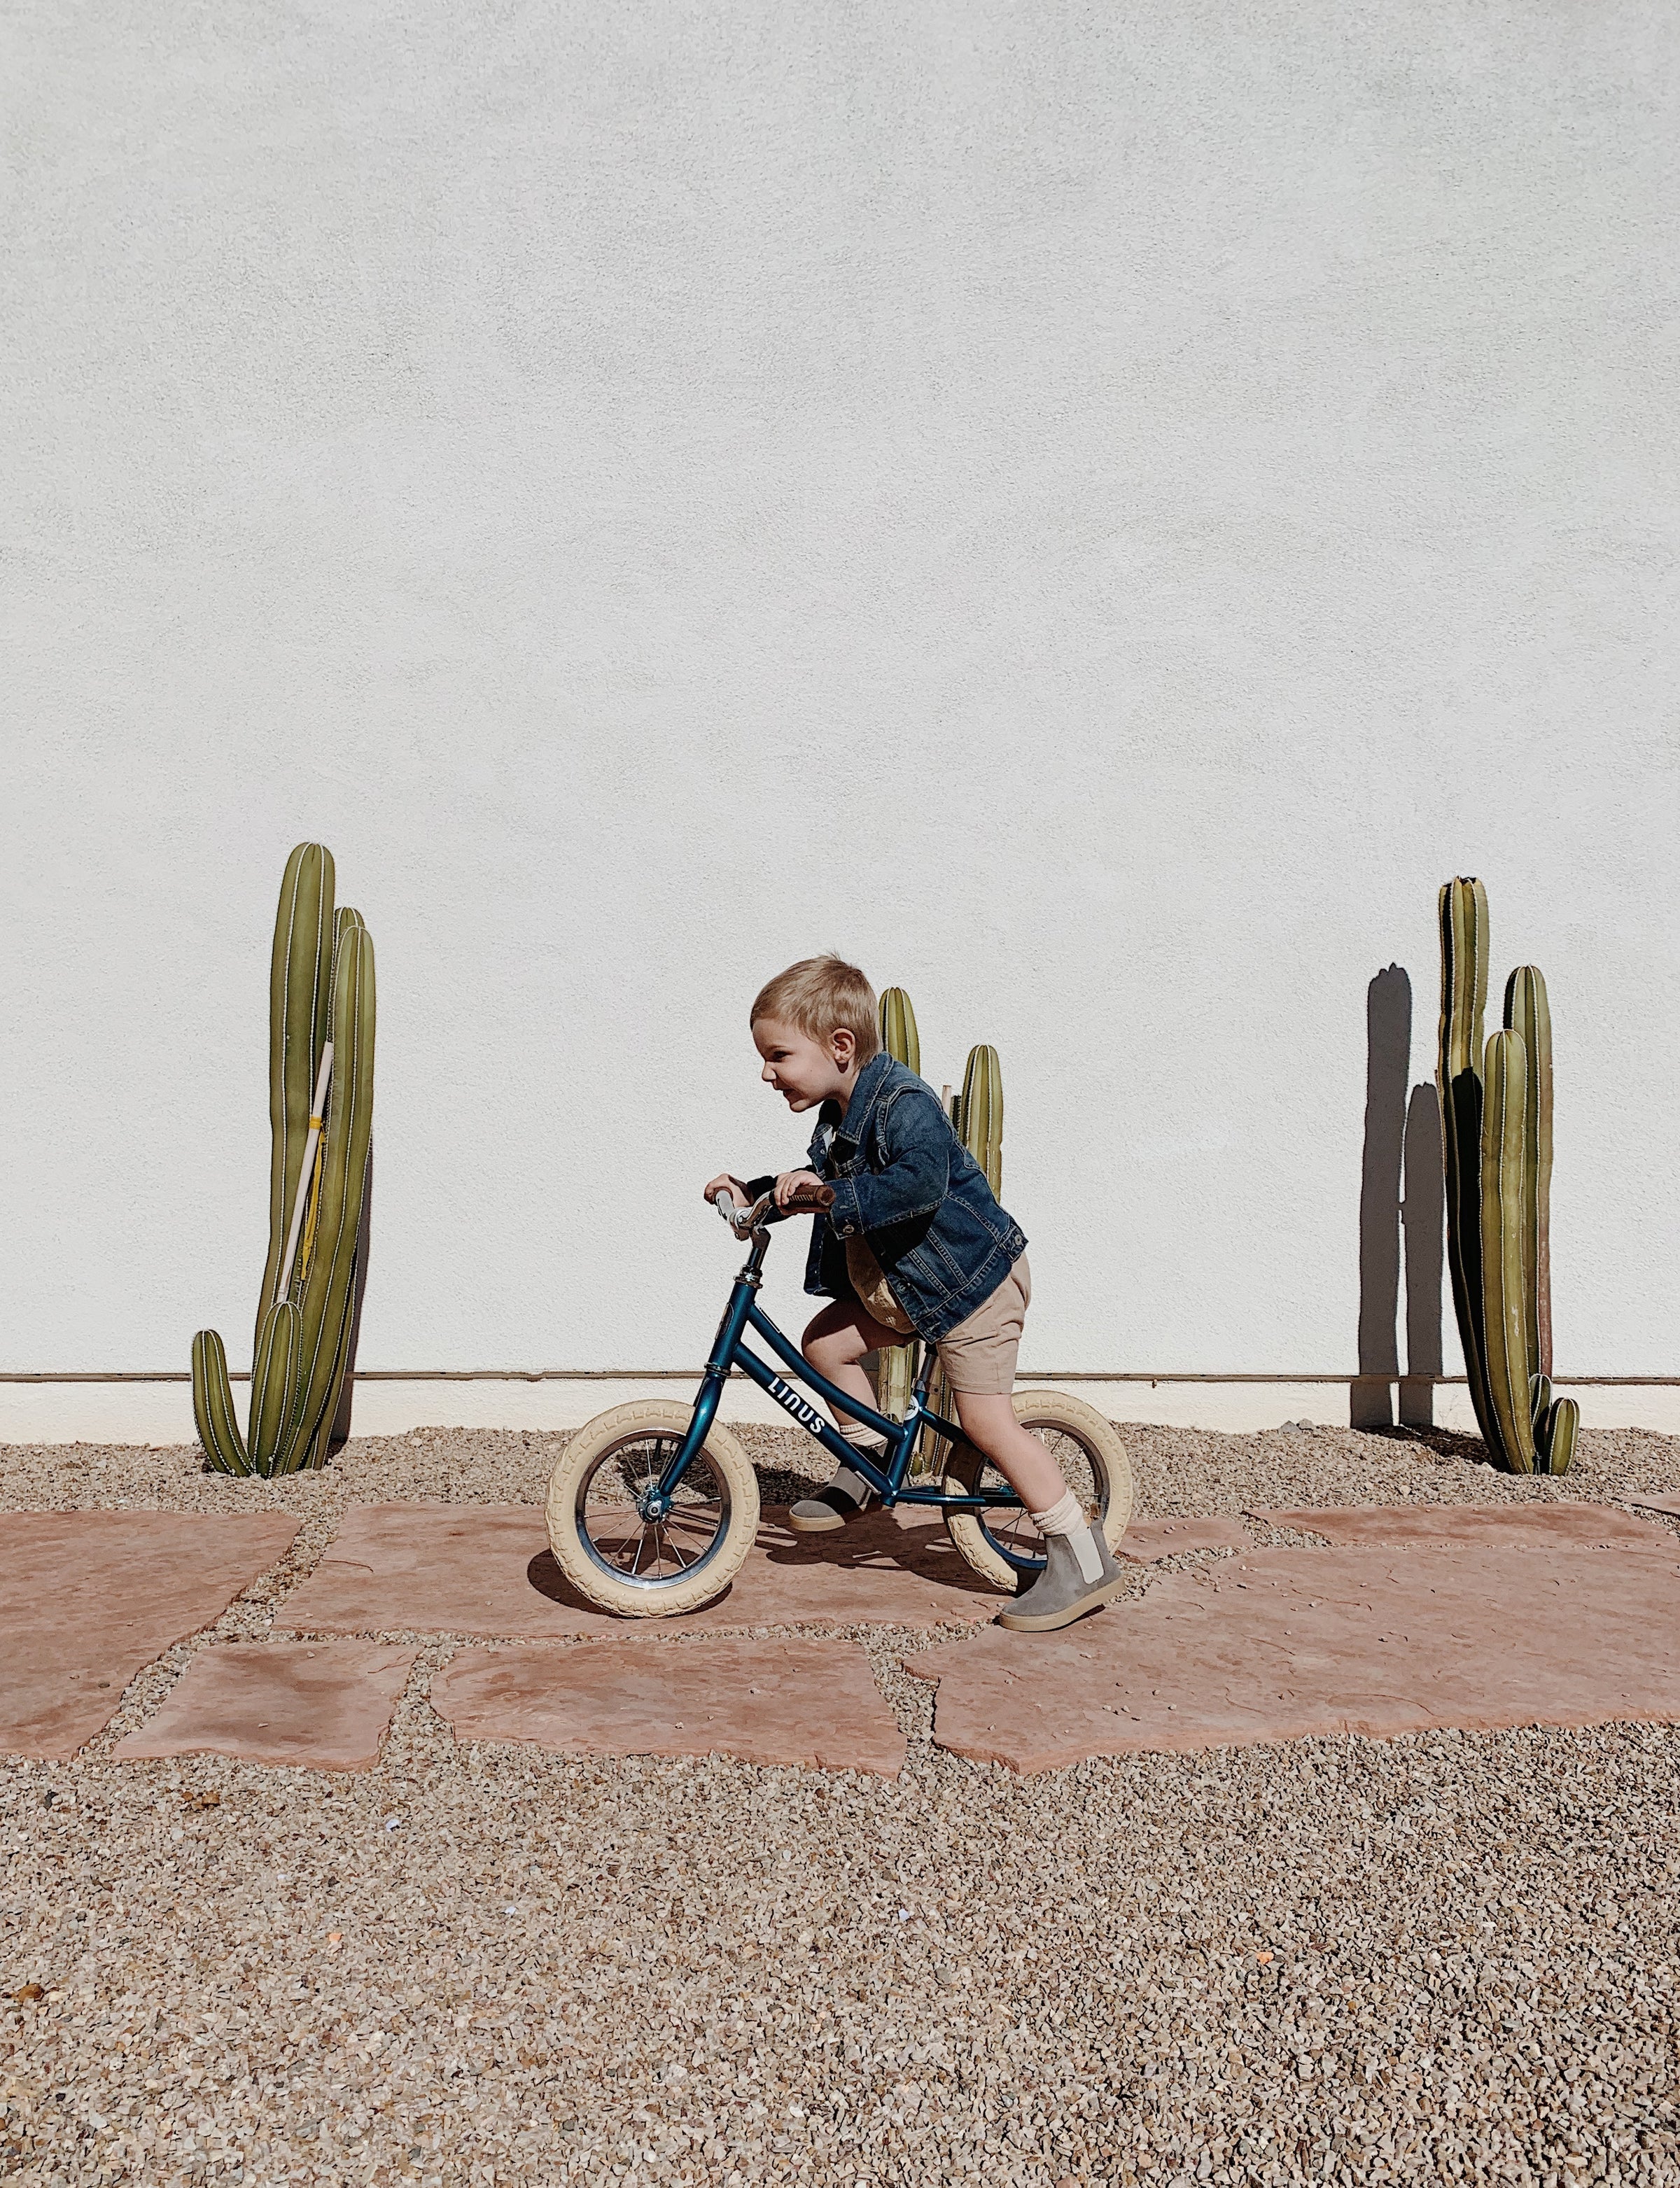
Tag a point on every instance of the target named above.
point(1444, 1956)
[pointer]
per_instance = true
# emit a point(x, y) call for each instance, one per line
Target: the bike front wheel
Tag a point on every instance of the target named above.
point(639, 1568)
point(1002, 1544)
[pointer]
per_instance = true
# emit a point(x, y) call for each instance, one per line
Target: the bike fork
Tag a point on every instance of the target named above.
point(707, 1398)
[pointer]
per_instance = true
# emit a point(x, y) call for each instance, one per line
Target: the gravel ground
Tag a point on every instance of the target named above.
point(1444, 1956)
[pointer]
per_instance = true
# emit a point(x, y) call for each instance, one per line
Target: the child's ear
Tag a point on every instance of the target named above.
point(845, 1044)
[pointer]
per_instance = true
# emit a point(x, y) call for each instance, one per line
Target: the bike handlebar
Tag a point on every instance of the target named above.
point(805, 1199)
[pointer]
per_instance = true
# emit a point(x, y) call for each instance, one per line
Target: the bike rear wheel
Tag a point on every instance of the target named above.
point(639, 1568)
point(1002, 1544)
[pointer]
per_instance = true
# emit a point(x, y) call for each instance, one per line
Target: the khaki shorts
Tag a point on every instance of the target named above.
point(978, 1356)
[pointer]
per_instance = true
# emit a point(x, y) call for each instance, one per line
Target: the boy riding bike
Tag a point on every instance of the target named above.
point(914, 1245)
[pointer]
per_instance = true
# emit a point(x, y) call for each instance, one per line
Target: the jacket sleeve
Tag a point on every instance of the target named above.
point(916, 1139)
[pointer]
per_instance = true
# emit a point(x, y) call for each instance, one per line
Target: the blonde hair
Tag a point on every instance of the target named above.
point(819, 995)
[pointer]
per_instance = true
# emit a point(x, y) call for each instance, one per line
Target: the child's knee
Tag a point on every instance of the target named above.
point(828, 1340)
point(818, 1335)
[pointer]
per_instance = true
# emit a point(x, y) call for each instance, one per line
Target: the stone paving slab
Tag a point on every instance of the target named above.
point(1147, 1541)
point(87, 1600)
point(1297, 1643)
point(1671, 1505)
point(322, 1704)
point(1513, 1527)
point(814, 1703)
point(487, 1569)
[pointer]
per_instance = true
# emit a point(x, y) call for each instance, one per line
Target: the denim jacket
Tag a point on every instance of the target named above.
point(905, 1183)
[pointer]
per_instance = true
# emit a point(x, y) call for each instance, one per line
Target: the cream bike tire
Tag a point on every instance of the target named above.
point(636, 1568)
point(1002, 1545)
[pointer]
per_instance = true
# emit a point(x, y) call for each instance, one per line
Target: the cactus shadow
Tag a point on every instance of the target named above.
point(1423, 1220)
point(1401, 1219)
point(1388, 1073)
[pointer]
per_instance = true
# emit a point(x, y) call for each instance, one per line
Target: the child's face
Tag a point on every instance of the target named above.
point(805, 1072)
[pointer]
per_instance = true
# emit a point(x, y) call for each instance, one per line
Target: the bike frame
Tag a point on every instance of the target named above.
point(731, 1350)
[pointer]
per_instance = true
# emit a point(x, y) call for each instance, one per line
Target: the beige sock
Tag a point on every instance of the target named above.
point(1065, 1518)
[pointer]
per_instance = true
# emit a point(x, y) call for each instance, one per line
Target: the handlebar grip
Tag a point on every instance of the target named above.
point(815, 1197)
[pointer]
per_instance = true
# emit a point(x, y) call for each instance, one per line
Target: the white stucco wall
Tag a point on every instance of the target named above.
point(1094, 512)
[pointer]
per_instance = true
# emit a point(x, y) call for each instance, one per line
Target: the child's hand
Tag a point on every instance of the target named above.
point(727, 1183)
point(789, 1181)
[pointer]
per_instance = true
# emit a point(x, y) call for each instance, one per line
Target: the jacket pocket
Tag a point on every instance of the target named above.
point(920, 1268)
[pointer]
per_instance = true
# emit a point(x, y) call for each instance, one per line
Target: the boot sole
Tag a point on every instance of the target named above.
point(830, 1524)
point(1049, 1621)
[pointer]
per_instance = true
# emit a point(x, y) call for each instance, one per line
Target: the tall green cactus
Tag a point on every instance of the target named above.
point(1463, 999)
point(899, 1036)
point(325, 1288)
point(1528, 1013)
point(977, 1118)
point(321, 989)
point(299, 1003)
point(895, 1368)
point(1496, 1136)
point(1507, 1167)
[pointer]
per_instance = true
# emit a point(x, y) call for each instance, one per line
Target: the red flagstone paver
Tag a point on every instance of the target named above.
point(1297, 1643)
point(1668, 1504)
point(89, 1598)
point(488, 1570)
point(1147, 1541)
point(1508, 1527)
point(810, 1702)
point(324, 1704)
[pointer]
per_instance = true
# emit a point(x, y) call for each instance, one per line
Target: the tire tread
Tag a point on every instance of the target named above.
point(650, 1417)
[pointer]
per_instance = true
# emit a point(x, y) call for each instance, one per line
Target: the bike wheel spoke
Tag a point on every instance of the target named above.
point(650, 1552)
point(1010, 1529)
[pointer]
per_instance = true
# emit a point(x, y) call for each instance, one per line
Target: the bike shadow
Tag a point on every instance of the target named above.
point(912, 1540)
point(877, 1549)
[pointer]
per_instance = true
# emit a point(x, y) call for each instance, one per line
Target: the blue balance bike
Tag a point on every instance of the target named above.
point(653, 1506)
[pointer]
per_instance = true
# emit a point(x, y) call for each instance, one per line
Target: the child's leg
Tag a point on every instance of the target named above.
point(834, 1345)
point(835, 1342)
point(979, 1357)
point(1080, 1573)
point(988, 1420)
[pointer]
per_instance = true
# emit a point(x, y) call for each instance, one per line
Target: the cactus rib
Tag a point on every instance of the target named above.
point(213, 1406)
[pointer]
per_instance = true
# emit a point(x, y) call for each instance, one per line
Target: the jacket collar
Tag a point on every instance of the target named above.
point(870, 1081)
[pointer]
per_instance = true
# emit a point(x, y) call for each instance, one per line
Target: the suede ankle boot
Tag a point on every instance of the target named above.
point(1062, 1594)
point(832, 1506)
